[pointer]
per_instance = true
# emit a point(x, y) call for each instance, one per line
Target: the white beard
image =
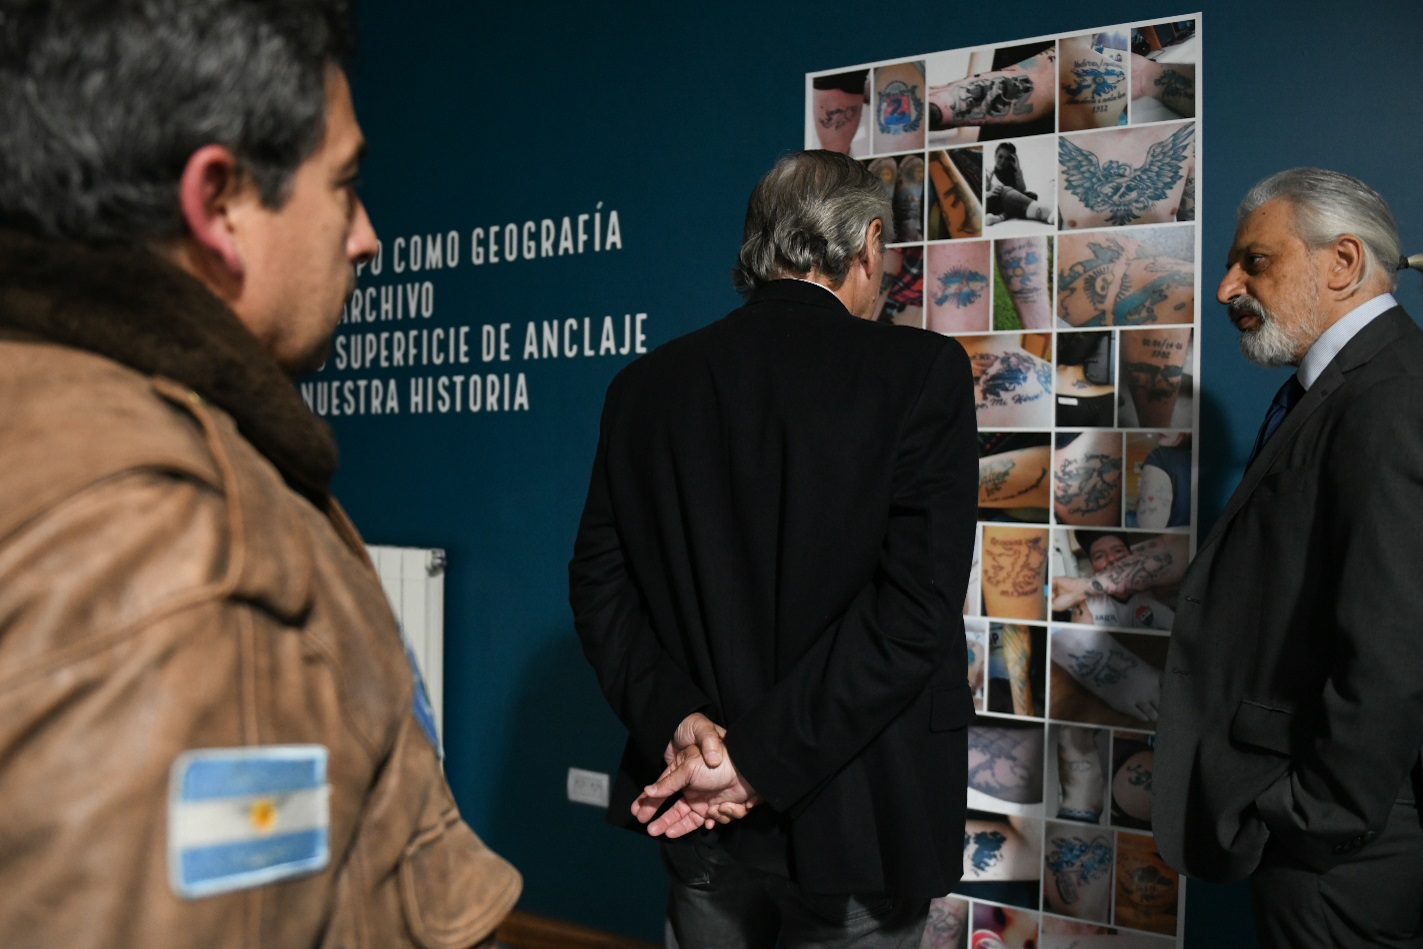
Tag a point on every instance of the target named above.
point(1281, 339)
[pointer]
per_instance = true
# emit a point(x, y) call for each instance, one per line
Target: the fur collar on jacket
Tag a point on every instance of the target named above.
point(130, 306)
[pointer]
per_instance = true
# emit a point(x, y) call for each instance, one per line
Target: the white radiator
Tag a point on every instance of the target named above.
point(414, 581)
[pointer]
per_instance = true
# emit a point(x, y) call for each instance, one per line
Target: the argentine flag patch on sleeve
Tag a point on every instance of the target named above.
point(245, 817)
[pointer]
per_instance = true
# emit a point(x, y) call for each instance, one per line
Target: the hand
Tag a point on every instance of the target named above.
point(1068, 592)
point(710, 795)
point(696, 729)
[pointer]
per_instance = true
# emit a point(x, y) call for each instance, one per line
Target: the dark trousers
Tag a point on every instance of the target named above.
point(717, 902)
point(1374, 899)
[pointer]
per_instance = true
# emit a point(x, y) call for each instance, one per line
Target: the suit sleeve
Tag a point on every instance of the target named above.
point(648, 691)
point(880, 655)
point(1342, 784)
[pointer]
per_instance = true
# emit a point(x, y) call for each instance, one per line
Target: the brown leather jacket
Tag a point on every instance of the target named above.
point(166, 586)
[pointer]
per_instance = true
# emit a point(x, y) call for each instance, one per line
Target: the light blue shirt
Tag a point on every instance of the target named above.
point(1332, 340)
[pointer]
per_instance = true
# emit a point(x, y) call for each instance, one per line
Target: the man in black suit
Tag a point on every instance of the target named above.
point(1292, 704)
point(769, 580)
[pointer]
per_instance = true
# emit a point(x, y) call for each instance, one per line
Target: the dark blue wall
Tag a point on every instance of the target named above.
point(667, 113)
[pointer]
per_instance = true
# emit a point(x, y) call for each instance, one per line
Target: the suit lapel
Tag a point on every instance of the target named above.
point(1383, 330)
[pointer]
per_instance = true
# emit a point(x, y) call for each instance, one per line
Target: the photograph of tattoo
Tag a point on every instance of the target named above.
point(1005, 764)
point(1103, 678)
point(1113, 279)
point(948, 924)
point(976, 646)
point(1014, 572)
point(957, 284)
point(899, 110)
point(1158, 485)
point(1080, 777)
point(1147, 889)
point(1117, 579)
point(1013, 476)
point(1125, 176)
point(1023, 283)
point(1087, 478)
point(1003, 859)
point(1077, 871)
point(903, 180)
point(1163, 75)
point(955, 209)
point(838, 111)
point(901, 296)
point(1092, 81)
point(1013, 95)
point(1085, 396)
point(1012, 379)
point(1154, 365)
point(1042, 203)
point(1016, 665)
point(1132, 768)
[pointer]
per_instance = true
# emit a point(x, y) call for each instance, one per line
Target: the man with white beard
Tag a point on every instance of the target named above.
point(1292, 706)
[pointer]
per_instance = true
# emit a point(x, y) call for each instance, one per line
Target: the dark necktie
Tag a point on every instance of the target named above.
point(1284, 400)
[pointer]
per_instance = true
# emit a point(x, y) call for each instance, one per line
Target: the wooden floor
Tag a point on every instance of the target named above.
point(527, 931)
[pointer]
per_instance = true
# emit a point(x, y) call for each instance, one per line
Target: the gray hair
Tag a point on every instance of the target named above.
point(102, 102)
point(810, 213)
point(1329, 204)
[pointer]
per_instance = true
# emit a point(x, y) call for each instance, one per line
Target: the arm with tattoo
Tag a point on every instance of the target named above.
point(958, 198)
point(899, 112)
point(948, 924)
point(1152, 563)
point(1154, 362)
point(1108, 670)
point(1093, 83)
point(837, 117)
point(1016, 643)
point(1020, 93)
point(1023, 265)
point(1014, 478)
point(1154, 498)
point(1014, 571)
point(1172, 83)
point(1087, 479)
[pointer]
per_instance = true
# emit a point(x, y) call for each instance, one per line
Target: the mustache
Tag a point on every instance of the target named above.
point(1247, 306)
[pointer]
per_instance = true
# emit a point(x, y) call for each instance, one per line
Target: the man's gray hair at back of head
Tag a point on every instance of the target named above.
point(1329, 204)
point(810, 213)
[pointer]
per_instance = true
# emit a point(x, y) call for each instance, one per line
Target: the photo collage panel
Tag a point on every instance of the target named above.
point(1043, 203)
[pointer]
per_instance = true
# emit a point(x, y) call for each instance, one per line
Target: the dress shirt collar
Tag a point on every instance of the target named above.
point(1332, 340)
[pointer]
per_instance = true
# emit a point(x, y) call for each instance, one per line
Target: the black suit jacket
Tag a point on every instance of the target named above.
point(778, 533)
point(1292, 703)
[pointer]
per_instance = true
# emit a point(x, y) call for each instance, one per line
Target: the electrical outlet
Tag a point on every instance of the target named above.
point(588, 787)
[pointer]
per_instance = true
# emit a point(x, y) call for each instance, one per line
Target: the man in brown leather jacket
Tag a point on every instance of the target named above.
point(209, 732)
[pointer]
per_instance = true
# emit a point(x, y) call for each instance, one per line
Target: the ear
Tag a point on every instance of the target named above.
point(1344, 263)
point(874, 243)
point(210, 188)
